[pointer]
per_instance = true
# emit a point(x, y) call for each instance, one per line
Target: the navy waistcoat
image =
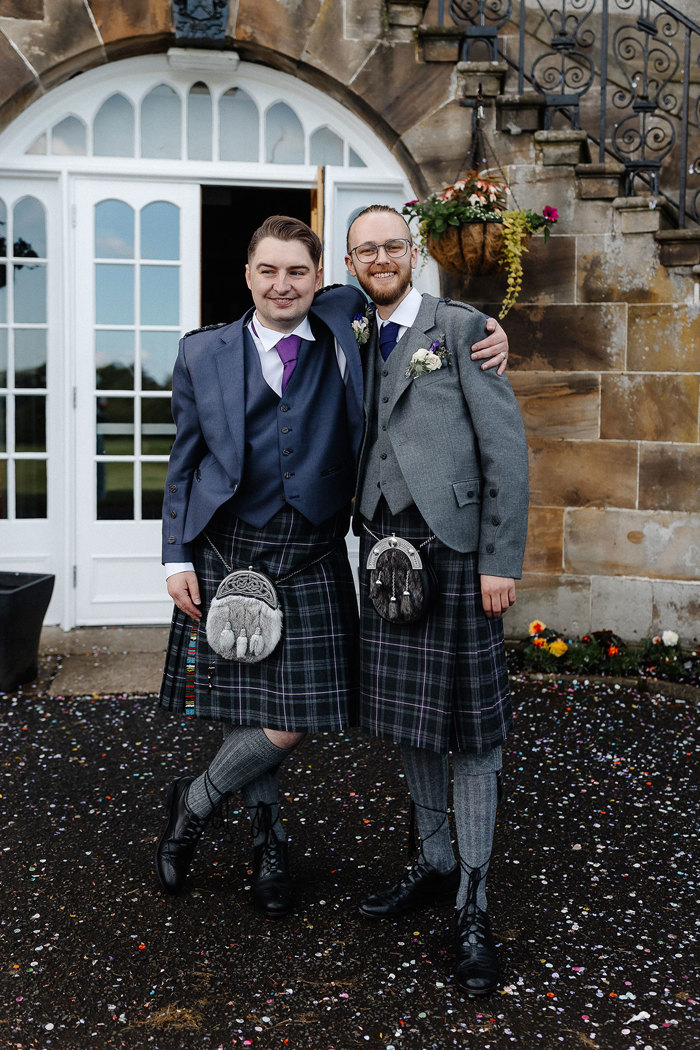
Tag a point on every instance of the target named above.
point(297, 447)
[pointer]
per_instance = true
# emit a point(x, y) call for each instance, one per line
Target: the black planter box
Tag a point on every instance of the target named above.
point(24, 599)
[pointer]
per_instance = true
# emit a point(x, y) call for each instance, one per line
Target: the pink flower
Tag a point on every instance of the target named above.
point(550, 214)
point(409, 203)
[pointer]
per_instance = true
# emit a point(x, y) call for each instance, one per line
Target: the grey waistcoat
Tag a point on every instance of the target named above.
point(382, 473)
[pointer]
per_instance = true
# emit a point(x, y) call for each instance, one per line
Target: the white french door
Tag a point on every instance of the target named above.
point(137, 252)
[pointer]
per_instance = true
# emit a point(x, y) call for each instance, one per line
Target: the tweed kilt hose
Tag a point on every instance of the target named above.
point(310, 680)
point(442, 683)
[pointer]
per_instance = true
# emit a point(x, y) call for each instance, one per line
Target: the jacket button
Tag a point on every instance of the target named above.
point(385, 372)
point(490, 548)
point(171, 539)
point(286, 451)
point(385, 399)
point(470, 493)
point(284, 408)
point(173, 488)
point(493, 492)
point(495, 520)
point(285, 430)
point(383, 426)
point(173, 513)
point(383, 455)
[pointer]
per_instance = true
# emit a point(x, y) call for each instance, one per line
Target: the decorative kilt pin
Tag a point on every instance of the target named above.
point(443, 466)
point(260, 477)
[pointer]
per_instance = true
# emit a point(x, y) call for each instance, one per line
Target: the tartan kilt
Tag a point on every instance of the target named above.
point(441, 683)
point(310, 680)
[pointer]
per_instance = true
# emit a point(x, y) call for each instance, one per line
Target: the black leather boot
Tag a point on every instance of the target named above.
point(423, 885)
point(178, 842)
point(272, 883)
point(477, 961)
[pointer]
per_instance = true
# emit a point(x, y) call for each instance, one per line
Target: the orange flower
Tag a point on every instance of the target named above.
point(539, 643)
point(558, 647)
point(613, 650)
point(536, 627)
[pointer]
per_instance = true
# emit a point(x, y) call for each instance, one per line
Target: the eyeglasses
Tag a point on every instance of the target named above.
point(396, 248)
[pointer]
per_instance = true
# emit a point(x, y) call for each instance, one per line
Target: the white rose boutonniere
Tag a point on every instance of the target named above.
point(360, 326)
point(424, 361)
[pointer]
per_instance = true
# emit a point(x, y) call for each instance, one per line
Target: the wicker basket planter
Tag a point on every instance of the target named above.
point(474, 247)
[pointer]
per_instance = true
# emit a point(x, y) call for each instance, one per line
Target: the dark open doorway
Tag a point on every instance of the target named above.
point(230, 214)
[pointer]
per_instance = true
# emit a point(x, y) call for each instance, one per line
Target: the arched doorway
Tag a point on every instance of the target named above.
point(130, 195)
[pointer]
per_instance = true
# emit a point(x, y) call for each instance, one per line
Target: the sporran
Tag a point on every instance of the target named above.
point(402, 584)
point(244, 622)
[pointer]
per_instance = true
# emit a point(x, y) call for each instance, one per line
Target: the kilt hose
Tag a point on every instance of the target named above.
point(310, 681)
point(441, 683)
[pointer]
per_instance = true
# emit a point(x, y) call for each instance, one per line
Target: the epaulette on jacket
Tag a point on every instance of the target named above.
point(206, 328)
point(456, 302)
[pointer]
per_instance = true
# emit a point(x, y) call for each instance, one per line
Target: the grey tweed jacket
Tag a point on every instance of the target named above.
point(458, 439)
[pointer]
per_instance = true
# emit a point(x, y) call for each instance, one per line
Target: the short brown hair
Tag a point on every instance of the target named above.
point(378, 208)
point(286, 228)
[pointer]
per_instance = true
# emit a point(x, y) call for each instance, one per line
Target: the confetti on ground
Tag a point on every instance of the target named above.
point(593, 888)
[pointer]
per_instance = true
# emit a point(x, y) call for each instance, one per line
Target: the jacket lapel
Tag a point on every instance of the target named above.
point(230, 366)
point(414, 338)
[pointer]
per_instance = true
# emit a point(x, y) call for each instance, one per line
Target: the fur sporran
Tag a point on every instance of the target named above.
point(402, 585)
point(244, 622)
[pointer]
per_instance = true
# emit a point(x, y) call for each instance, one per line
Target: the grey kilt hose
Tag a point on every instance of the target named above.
point(442, 683)
point(310, 680)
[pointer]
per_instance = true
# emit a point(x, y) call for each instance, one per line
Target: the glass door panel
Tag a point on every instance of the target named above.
point(140, 294)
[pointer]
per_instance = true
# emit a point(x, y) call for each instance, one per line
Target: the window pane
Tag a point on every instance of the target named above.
point(355, 160)
point(29, 229)
point(113, 129)
point(30, 292)
point(30, 423)
point(3, 294)
point(160, 231)
point(239, 126)
point(160, 295)
point(39, 145)
point(69, 138)
point(158, 353)
point(160, 123)
point(114, 421)
point(3, 417)
point(199, 123)
point(30, 357)
point(30, 488)
point(114, 294)
point(114, 360)
point(115, 491)
point(3, 486)
point(152, 486)
point(3, 357)
point(3, 229)
point(326, 147)
point(114, 230)
point(157, 427)
point(284, 136)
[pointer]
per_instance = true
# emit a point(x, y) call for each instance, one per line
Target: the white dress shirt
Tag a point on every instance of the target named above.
point(265, 340)
point(405, 313)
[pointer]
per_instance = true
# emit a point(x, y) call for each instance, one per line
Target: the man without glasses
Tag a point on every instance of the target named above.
point(443, 466)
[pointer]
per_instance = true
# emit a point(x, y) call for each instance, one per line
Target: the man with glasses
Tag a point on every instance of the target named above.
point(443, 472)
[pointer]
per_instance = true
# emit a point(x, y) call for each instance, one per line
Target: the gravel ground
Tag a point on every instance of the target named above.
point(592, 888)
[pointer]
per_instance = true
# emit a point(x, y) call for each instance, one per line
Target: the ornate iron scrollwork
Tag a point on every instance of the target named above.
point(565, 73)
point(481, 20)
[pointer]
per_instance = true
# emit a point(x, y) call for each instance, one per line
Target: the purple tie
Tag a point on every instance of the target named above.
point(288, 349)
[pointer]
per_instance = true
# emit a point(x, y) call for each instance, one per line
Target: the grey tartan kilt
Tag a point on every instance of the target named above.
point(442, 683)
point(310, 681)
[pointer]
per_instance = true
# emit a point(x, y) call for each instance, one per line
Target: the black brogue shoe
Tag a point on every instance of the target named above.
point(423, 885)
point(178, 842)
point(477, 961)
point(272, 883)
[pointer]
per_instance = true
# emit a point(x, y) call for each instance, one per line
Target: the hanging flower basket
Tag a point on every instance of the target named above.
point(474, 247)
point(468, 228)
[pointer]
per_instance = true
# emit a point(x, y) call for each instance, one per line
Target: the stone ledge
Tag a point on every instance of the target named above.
point(599, 181)
point(404, 16)
point(562, 147)
point(641, 214)
point(679, 247)
point(485, 78)
point(518, 113)
point(439, 43)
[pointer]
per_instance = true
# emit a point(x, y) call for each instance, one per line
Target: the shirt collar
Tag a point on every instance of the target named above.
point(406, 312)
point(268, 338)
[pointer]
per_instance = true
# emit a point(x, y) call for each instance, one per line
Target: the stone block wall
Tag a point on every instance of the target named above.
point(606, 336)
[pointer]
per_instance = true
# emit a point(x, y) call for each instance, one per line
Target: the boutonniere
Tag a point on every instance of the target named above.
point(361, 327)
point(424, 361)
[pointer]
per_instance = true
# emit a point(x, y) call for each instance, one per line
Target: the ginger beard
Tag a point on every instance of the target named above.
point(386, 281)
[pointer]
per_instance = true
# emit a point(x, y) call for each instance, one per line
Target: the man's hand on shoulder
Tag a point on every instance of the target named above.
point(497, 595)
point(494, 349)
point(183, 588)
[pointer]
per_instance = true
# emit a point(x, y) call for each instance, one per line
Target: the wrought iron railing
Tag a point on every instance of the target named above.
point(641, 56)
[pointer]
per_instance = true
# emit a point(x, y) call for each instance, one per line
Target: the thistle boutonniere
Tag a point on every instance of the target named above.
point(424, 361)
point(361, 324)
